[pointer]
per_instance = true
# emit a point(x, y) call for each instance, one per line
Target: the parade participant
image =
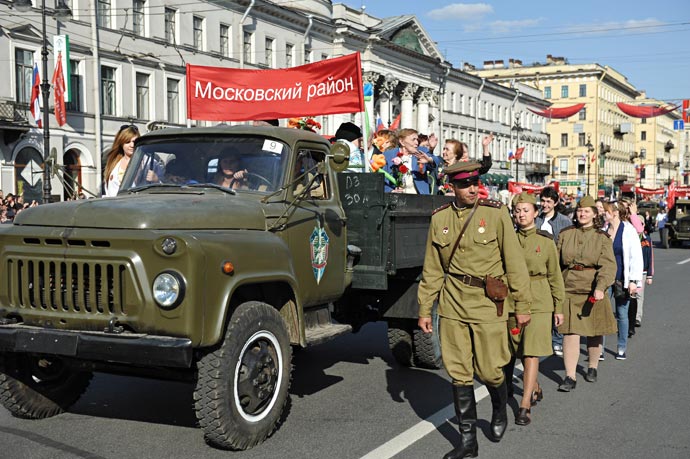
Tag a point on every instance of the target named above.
point(351, 135)
point(472, 247)
point(553, 222)
point(546, 287)
point(117, 159)
point(454, 151)
point(408, 165)
point(647, 277)
point(589, 268)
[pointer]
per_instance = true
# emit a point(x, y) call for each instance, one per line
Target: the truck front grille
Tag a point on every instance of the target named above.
point(85, 287)
point(684, 226)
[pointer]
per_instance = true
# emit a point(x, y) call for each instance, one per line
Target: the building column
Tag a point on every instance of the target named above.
point(386, 93)
point(425, 96)
point(407, 107)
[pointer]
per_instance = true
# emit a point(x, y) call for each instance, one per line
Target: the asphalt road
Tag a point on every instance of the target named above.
point(349, 399)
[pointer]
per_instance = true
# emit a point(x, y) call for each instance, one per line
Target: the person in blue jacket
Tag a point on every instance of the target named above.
point(409, 168)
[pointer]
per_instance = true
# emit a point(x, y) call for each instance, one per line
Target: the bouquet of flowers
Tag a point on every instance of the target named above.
point(308, 124)
point(399, 169)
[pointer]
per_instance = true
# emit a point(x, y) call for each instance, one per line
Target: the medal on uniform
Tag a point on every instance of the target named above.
point(538, 249)
point(445, 230)
point(482, 225)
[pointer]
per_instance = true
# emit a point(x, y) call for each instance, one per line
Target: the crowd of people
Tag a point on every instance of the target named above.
point(561, 279)
point(11, 205)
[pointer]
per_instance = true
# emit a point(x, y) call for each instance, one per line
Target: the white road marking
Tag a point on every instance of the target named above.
point(415, 433)
point(684, 261)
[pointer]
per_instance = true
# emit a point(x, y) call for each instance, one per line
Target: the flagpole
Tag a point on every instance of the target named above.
point(45, 92)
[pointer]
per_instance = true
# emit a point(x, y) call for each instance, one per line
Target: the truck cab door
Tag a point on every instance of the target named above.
point(316, 230)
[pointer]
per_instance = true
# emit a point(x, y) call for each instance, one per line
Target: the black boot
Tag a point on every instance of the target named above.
point(499, 416)
point(466, 411)
point(508, 371)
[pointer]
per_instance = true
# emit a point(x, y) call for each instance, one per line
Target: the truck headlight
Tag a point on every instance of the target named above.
point(168, 289)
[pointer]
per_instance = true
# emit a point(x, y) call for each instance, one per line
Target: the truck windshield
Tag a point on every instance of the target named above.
point(243, 164)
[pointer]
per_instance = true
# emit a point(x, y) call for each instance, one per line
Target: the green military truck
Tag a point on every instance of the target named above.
point(181, 277)
point(678, 224)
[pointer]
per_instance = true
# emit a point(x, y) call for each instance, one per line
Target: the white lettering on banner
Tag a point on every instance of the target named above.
point(209, 91)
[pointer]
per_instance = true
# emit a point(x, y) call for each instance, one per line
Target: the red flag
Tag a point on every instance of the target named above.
point(322, 88)
point(593, 159)
point(518, 153)
point(59, 89)
point(396, 123)
point(671, 198)
point(686, 110)
point(35, 103)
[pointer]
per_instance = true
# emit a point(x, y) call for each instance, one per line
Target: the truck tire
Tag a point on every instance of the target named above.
point(242, 386)
point(426, 350)
point(413, 348)
point(401, 341)
point(38, 387)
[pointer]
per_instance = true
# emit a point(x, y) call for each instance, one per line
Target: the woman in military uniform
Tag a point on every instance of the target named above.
point(589, 268)
point(546, 285)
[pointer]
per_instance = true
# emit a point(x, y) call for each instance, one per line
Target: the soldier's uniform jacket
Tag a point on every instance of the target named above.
point(488, 246)
point(546, 281)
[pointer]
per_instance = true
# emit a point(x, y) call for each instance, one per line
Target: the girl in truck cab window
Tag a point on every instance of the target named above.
point(117, 159)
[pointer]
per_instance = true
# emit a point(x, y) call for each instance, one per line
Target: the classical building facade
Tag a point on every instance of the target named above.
point(128, 61)
point(600, 145)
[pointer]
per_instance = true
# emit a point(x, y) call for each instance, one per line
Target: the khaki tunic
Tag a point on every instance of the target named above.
point(548, 293)
point(590, 248)
point(473, 337)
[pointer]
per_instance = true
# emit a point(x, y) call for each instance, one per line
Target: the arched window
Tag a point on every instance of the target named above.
point(28, 174)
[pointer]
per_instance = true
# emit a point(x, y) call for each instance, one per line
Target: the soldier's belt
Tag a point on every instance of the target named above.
point(580, 267)
point(469, 280)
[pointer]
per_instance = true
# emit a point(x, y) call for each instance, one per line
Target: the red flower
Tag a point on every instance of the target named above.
point(592, 300)
point(400, 153)
point(403, 169)
point(515, 331)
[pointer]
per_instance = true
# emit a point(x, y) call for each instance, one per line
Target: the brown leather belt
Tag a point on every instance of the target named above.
point(580, 267)
point(469, 280)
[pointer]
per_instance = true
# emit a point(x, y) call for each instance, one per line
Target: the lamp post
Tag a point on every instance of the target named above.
point(389, 85)
point(61, 11)
point(590, 150)
point(667, 149)
point(517, 127)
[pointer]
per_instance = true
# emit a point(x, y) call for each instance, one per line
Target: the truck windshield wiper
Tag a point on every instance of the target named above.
point(152, 185)
point(212, 185)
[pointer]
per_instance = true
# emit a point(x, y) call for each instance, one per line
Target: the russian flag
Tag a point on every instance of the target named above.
point(35, 103)
point(379, 123)
point(511, 156)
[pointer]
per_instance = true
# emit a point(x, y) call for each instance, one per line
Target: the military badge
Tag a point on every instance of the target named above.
point(445, 230)
point(538, 249)
point(482, 226)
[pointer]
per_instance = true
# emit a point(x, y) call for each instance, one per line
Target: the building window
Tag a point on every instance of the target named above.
point(103, 16)
point(582, 114)
point(108, 91)
point(564, 140)
point(247, 46)
point(138, 25)
point(24, 75)
point(583, 90)
point(324, 57)
point(268, 52)
point(471, 104)
point(643, 121)
point(462, 104)
point(307, 55)
point(225, 40)
point(643, 135)
point(563, 168)
point(170, 25)
point(143, 96)
point(198, 26)
point(75, 86)
point(289, 55)
point(581, 166)
point(451, 108)
point(564, 91)
point(547, 92)
point(173, 98)
point(581, 139)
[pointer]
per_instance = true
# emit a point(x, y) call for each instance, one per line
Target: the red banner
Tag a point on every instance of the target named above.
point(59, 89)
point(322, 88)
point(649, 191)
point(686, 110)
point(519, 187)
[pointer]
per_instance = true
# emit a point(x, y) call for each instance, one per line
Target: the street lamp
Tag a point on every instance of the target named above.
point(389, 85)
point(667, 149)
point(590, 150)
point(517, 127)
point(61, 11)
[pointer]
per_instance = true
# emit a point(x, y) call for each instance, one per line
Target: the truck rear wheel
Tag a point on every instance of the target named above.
point(410, 346)
point(38, 387)
point(242, 387)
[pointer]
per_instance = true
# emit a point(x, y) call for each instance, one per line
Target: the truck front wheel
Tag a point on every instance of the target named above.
point(242, 386)
point(37, 387)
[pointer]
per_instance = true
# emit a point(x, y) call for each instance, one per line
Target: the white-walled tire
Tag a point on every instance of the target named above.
point(242, 386)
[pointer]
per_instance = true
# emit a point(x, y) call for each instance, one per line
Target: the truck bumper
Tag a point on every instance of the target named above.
point(148, 350)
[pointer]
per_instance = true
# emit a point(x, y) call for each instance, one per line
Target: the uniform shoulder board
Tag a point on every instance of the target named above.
point(546, 234)
point(490, 203)
point(445, 206)
point(601, 231)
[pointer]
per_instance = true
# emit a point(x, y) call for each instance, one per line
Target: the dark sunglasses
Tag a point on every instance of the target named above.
point(131, 126)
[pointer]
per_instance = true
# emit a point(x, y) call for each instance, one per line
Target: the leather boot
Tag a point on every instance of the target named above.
point(499, 416)
point(466, 411)
point(508, 371)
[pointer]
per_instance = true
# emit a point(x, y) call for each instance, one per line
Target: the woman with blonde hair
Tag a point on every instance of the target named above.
point(409, 165)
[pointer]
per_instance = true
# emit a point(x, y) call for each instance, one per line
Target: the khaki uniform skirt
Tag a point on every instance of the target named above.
point(586, 319)
point(534, 340)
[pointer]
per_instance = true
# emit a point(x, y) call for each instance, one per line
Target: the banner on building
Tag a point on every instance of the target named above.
point(686, 111)
point(59, 91)
point(61, 53)
point(322, 88)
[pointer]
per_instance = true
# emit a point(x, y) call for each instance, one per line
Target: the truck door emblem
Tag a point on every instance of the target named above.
point(318, 243)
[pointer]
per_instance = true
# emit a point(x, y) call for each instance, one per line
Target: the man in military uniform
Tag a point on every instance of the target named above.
point(474, 337)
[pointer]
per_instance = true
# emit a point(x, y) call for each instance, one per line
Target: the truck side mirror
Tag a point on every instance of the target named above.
point(339, 156)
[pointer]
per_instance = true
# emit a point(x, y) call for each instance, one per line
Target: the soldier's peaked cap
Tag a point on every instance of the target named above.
point(524, 197)
point(463, 171)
